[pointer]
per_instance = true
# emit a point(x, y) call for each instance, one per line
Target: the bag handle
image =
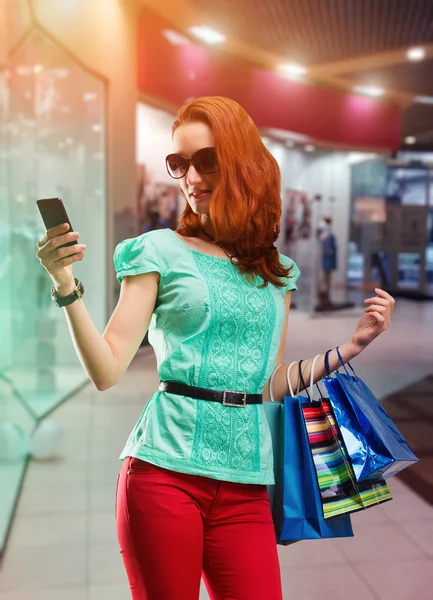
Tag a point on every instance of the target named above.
point(327, 365)
point(292, 393)
point(313, 367)
point(288, 378)
point(344, 365)
point(271, 383)
point(301, 378)
point(310, 389)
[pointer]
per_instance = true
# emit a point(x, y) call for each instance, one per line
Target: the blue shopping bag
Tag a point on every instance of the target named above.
point(274, 412)
point(374, 444)
point(302, 512)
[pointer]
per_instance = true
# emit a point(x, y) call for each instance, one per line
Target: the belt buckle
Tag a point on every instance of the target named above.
point(241, 404)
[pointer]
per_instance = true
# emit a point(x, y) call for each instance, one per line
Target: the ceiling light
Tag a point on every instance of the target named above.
point(208, 35)
point(23, 70)
point(37, 69)
point(61, 73)
point(424, 99)
point(96, 127)
point(293, 69)
point(368, 90)
point(357, 157)
point(309, 148)
point(410, 140)
point(415, 54)
point(89, 96)
point(174, 37)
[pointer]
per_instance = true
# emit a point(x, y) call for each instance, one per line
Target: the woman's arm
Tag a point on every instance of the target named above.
point(106, 357)
point(376, 320)
point(280, 388)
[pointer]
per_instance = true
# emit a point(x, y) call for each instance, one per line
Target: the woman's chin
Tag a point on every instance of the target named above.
point(200, 207)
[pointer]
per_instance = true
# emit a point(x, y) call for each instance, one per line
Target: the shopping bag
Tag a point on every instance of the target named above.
point(302, 510)
point(373, 442)
point(340, 492)
point(274, 412)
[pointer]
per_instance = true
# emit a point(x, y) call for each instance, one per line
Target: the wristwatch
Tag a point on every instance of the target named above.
point(66, 300)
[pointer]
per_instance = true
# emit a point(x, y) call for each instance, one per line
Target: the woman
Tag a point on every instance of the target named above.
point(215, 295)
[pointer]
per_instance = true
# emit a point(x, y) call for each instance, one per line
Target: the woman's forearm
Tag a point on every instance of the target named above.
point(348, 351)
point(92, 349)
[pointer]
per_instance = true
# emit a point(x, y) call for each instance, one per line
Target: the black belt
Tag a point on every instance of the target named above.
point(227, 398)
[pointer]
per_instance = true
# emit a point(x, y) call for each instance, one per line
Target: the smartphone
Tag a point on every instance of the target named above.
point(53, 213)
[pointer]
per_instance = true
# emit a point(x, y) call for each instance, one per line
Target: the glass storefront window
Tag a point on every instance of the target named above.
point(52, 127)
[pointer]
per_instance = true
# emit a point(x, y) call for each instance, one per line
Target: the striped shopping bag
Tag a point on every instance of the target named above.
point(339, 490)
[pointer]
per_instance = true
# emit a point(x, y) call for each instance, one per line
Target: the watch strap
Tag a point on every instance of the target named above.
point(62, 301)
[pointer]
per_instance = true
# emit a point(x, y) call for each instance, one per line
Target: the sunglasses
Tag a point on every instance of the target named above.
point(204, 161)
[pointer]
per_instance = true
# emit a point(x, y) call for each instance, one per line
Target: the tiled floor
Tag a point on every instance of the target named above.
point(63, 544)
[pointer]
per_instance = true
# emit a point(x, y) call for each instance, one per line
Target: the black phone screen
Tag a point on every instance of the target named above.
point(53, 213)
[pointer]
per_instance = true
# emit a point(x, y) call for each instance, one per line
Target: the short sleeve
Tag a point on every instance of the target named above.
point(136, 256)
point(294, 274)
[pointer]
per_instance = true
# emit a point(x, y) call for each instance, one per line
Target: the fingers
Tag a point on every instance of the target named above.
point(69, 259)
point(379, 318)
point(382, 294)
point(378, 301)
point(54, 231)
point(53, 243)
point(382, 298)
point(376, 308)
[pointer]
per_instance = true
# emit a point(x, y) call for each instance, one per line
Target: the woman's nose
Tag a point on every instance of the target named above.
point(192, 176)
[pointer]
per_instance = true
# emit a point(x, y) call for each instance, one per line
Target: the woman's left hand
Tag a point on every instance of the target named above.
point(376, 319)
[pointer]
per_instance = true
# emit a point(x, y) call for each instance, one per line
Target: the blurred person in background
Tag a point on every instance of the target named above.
point(215, 295)
point(328, 245)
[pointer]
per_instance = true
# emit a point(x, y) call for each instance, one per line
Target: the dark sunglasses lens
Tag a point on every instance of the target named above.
point(177, 165)
point(205, 161)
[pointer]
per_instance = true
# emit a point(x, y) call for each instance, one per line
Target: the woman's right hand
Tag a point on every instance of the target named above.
point(58, 261)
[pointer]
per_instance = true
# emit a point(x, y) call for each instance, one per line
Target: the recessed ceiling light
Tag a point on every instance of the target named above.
point(424, 99)
point(174, 37)
point(207, 34)
point(89, 96)
point(410, 140)
point(357, 157)
point(309, 148)
point(23, 70)
point(415, 54)
point(293, 69)
point(368, 90)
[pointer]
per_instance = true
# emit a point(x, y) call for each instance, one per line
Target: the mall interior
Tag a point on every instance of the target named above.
point(342, 94)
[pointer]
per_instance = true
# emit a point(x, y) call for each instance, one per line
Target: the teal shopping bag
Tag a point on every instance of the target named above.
point(274, 412)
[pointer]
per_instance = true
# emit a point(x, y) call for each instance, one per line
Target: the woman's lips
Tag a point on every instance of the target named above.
point(200, 194)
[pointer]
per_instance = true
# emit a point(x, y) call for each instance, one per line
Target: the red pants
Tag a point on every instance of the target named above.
point(175, 528)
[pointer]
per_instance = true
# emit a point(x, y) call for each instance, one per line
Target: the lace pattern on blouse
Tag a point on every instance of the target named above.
point(234, 357)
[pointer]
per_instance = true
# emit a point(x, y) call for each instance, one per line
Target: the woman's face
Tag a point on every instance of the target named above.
point(196, 187)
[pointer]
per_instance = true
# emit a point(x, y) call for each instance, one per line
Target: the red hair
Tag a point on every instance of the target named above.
point(246, 203)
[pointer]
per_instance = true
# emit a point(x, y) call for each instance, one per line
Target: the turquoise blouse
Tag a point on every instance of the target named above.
point(210, 328)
